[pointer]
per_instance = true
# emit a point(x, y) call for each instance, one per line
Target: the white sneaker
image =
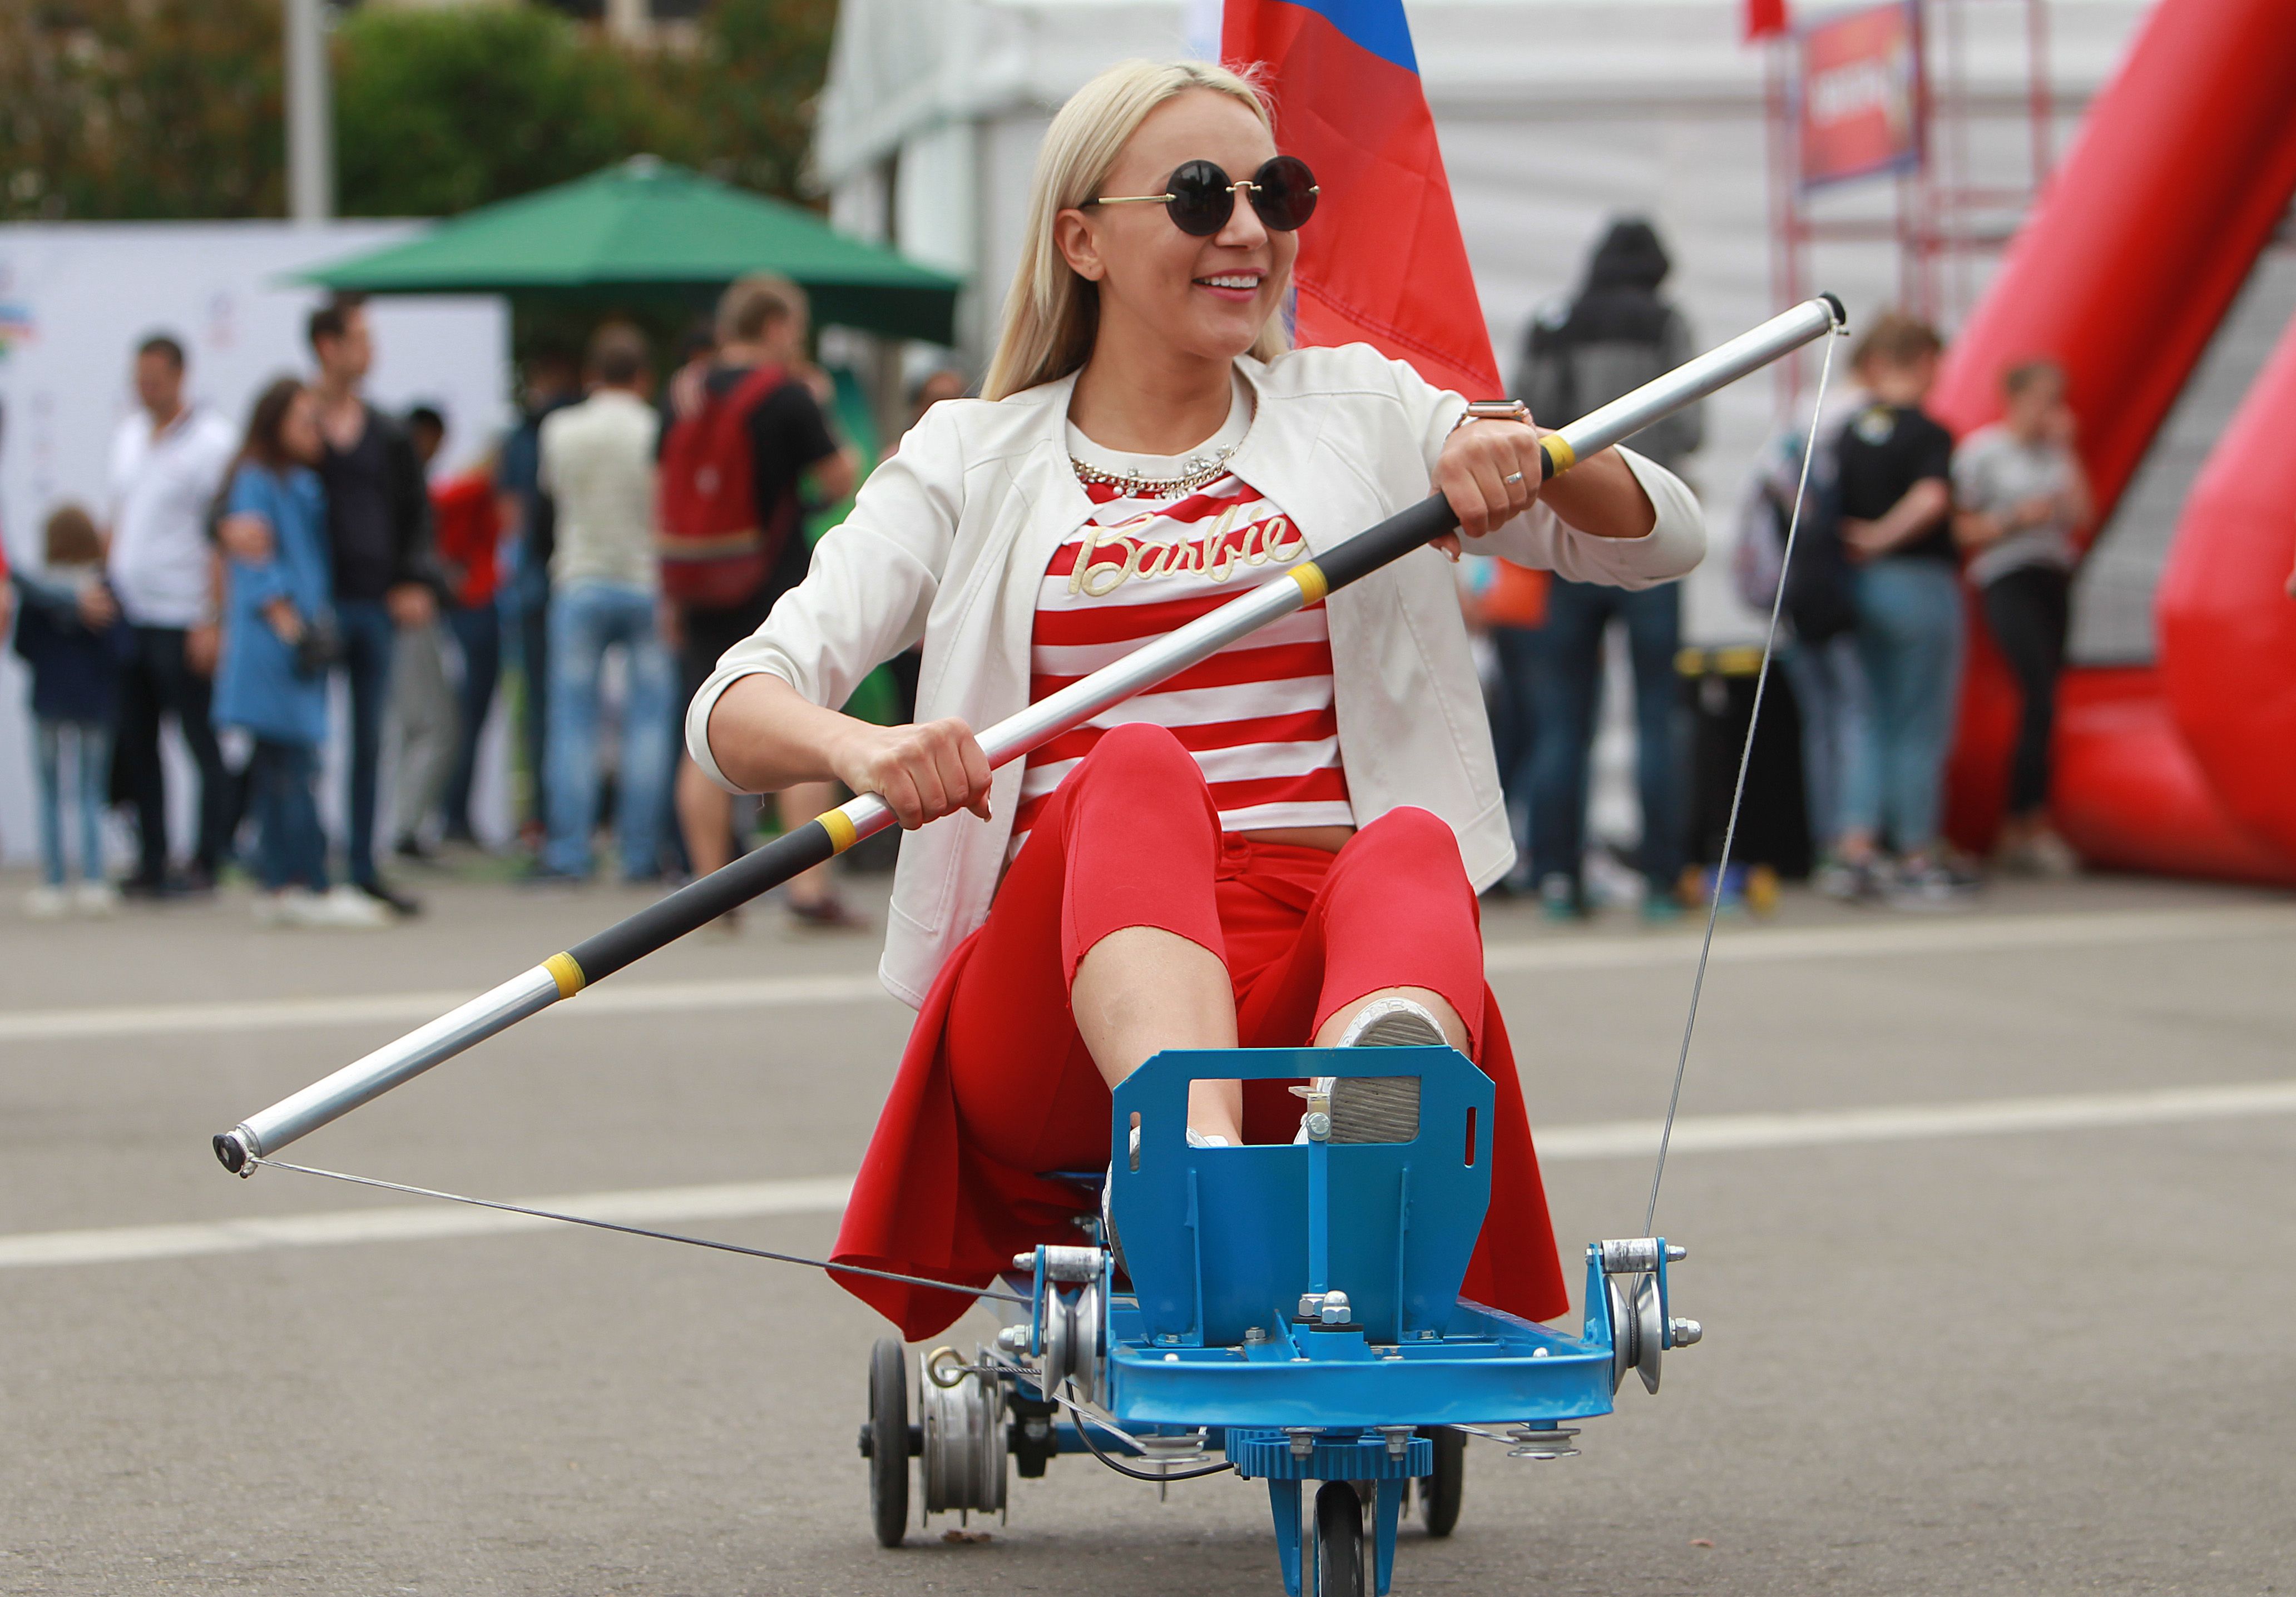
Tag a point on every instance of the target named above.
point(1394, 1023)
point(288, 906)
point(349, 909)
point(96, 898)
point(47, 904)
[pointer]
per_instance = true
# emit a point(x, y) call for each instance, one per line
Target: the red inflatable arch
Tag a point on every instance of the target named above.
point(2184, 166)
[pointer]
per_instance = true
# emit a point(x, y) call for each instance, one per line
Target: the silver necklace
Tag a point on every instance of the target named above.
point(1201, 470)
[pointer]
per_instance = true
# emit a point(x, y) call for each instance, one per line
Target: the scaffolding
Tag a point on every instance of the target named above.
point(1942, 218)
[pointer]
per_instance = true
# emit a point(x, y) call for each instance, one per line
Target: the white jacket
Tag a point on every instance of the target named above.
point(949, 539)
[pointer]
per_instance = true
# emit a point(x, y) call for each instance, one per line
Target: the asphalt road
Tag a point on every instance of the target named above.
point(1994, 1278)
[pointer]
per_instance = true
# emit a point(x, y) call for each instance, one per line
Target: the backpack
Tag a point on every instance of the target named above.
point(714, 554)
point(1820, 602)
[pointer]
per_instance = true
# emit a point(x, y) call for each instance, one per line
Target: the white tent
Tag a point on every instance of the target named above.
point(1553, 115)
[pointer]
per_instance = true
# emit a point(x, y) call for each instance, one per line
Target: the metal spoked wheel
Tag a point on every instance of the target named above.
point(1339, 1540)
point(889, 1441)
point(1438, 1494)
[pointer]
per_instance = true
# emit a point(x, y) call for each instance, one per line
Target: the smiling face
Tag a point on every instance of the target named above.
point(1206, 297)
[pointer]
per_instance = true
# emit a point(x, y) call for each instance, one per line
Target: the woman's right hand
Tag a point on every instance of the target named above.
point(284, 620)
point(924, 772)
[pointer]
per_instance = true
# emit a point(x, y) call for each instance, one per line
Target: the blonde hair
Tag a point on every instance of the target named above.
point(1051, 313)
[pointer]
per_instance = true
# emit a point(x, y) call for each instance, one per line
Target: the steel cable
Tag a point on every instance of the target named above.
point(640, 1230)
point(1738, 791)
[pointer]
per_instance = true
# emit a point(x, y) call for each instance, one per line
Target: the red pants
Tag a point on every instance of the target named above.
point(997, 1088)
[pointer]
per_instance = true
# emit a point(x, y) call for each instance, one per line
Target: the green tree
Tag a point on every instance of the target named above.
point(133, 109)
point(140, 108)
point(757, 77)
point(437, 111)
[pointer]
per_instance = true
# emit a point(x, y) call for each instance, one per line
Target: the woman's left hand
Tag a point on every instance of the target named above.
point(1490, 472)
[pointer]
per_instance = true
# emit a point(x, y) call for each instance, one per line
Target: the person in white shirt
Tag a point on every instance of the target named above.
point(2022, 501)
point(1278, 847)
point(598, 463)
point(167, 464)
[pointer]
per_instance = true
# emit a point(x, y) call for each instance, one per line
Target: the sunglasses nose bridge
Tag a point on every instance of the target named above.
point(1244, 227)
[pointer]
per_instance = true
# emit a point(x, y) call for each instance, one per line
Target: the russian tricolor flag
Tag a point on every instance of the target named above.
point(1383, 262)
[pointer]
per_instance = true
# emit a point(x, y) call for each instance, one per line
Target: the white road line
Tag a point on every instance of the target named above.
point(1614, 1139)
point(662, 1206)
point(1735, 944)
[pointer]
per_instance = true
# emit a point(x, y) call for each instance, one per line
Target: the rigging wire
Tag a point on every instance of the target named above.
point(1085, 1422)
point(640, 1230)
point(1738, 791)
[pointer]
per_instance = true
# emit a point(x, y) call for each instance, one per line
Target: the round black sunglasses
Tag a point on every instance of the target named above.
point(1200, 198)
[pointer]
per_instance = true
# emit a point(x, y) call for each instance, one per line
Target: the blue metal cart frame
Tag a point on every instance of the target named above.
point(1293, 1309)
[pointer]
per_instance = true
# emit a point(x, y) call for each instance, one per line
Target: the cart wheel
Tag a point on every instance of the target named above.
point(1339, 1540)
point(889, 1441)
point(1438, 1494)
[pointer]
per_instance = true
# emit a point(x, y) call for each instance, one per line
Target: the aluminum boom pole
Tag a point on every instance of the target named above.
point(563, 975)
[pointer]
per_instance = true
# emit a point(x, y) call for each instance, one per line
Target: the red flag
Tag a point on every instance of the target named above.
point(1383, 262)
point(1765, 18)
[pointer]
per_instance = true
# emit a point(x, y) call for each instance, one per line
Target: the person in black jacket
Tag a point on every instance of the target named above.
point(1615, 335)
point(379, 533)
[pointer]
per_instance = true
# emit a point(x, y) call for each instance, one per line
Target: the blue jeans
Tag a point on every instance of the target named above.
point(368, 637)
point(282, 798)
point(587, 619)
point(526, 606)
point(1909, 626)
point(1566, 689)
point(91, 745)
point(1835, 705)
point(478, 634)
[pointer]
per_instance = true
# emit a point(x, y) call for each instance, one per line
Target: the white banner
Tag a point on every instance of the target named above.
point(76, 299)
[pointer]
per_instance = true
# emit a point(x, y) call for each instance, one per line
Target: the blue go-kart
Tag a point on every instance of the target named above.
point(1290, 1313)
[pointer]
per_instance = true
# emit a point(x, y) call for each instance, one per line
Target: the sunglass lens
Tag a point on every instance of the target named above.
point(1284, 194)
point(1201, 200)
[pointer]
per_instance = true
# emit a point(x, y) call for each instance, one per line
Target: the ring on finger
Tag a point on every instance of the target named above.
point(1511, 477)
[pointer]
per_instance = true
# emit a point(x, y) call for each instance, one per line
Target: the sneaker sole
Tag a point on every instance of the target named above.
point(1383, 1108)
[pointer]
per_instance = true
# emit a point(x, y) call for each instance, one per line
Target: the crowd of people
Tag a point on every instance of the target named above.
point(238, 574)
point(246, 583)
point(1898, 520)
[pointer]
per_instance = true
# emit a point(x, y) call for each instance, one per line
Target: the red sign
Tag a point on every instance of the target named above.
point(1860, 91)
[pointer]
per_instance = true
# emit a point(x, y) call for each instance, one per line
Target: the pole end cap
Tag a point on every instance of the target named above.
point(233, 1150)
point(1841, 313)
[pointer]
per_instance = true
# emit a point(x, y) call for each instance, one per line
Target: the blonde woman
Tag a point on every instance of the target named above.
point(1280, 846)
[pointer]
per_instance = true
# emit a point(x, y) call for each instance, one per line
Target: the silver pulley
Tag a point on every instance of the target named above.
point(1069, 1319)
point(1637, 1328)
point(1640, 1331)
point(963, 1415)
point(1073, 1339)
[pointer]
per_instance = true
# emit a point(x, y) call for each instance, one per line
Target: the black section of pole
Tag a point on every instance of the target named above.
point(701, 902)
point(1388, 542)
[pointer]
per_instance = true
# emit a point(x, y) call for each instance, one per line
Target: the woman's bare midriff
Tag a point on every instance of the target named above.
point(1331, 840)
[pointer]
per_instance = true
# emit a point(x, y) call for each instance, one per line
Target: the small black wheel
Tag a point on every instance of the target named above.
point(889, 1441)
point(1339, 1540)
point(1438, 1494)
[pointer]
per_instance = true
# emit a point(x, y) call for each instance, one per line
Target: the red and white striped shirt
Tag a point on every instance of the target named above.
point(1258, 716)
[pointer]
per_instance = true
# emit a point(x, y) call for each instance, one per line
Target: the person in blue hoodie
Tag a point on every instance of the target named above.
point(271, 681)
point(71, 636)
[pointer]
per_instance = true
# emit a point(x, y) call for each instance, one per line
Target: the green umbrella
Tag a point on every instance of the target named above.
point(646, 228)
